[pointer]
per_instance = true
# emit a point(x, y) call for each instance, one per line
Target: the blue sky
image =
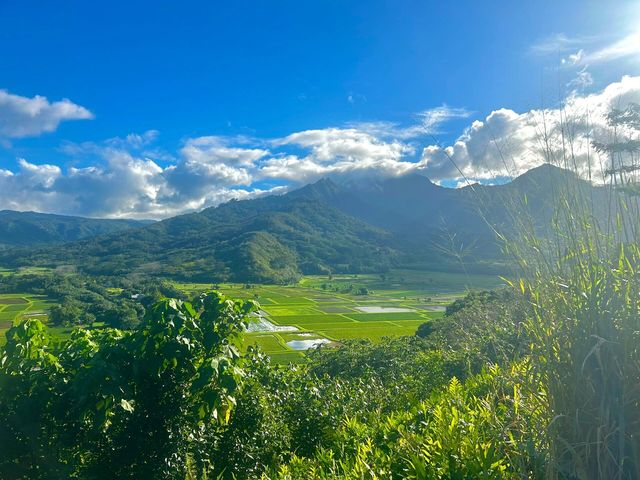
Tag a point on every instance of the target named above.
point(245, 96)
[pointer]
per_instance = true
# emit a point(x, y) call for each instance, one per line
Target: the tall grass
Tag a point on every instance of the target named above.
point(582, 277)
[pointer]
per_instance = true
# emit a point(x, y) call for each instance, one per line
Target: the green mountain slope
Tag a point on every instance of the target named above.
point(272, 238)
point(328, 226)
point(437, 227)
point(31, 228)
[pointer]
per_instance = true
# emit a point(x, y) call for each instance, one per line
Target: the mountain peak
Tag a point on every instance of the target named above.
point(323, 189)
point(412, 180)
point(547, 171)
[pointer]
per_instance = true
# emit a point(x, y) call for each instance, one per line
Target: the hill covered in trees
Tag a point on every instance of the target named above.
point(328, 226)
point(31, 228)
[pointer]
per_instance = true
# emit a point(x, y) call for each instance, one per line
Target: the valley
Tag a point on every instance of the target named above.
point(330, 310)
point(320, 240)
point(318, 309)
point(360, 329)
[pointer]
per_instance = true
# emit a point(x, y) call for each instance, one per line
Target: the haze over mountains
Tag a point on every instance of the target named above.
point(328, 226)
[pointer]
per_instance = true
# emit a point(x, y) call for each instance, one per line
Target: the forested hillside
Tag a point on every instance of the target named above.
point(269, 239)
point(30, 228)
point(329, 226)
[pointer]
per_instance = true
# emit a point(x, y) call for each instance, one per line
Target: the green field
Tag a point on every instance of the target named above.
point(16, 307)
point(323, 307)
point(319, 307)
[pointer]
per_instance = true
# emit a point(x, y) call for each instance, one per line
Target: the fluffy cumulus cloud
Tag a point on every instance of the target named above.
point(24, 117)
point(30, 188)
point(345, 151)
point(123, 185)
point(131, 177)
point(507, 143)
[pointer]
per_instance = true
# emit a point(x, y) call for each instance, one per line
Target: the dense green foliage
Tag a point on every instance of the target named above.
point(82, 300)
point(114, 404)
point(274, 238)
point(173, 398)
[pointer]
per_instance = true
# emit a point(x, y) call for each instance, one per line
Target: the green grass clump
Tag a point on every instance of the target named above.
point(583, 282)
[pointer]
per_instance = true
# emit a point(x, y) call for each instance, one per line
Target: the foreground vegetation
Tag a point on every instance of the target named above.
point(174, 398)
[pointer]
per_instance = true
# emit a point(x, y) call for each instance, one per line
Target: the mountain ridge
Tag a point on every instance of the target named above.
point(28, 228)
point(320, 228)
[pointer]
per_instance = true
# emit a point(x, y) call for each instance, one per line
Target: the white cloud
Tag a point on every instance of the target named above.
point(135, 140)
point(131, 177)
point(559, 43)
point(212, 151)
point(434, 118)
point(628, 46)
point(585, 51)
point(584, 55)
point(125, 183)
point(428, 122)
point(39, 175)
point(508, 143)
point(24, 117)
point(29, 188)
point(337, 151)
point(581, 81)
point(344, 144)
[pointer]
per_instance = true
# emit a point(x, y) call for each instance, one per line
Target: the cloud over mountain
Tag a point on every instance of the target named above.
point(507, 143)
point(130, 177)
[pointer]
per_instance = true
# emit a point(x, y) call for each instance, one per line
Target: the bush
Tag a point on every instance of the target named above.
point(114, 404)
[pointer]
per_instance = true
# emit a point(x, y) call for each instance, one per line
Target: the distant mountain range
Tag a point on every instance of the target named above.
point(31, 228)
point(328, 226)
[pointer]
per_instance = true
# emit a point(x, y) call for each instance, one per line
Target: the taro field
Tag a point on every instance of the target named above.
point(17, 307)
point(329, 310)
